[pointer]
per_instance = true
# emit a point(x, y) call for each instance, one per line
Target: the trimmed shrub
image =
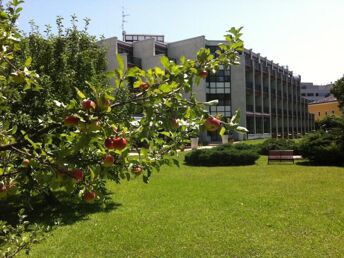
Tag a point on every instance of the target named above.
point(224, 155)
point(277, 144)
point(322, 148)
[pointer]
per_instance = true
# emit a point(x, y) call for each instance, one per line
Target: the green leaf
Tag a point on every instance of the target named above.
point(222, 131)
point(145, 179)
point(176, 162)
point(92, 174)
point(120, 62)
point(28, 61)
point(3, 15)
point(134, 72)
point(165, 62)
point(33, 144)
point(137, 84)
point(159, 71)
point(14, 129)
point(80, 93)
point(168, 134)
point(165, 88)
point(144, 152)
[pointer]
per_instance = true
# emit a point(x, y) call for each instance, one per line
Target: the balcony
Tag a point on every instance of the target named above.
point(266, 110)
point(249, 108)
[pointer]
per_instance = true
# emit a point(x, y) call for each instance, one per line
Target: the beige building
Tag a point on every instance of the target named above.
point(324, 107)
point(267, 94)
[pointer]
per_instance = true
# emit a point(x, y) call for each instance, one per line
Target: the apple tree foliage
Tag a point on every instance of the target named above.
point(88, 135)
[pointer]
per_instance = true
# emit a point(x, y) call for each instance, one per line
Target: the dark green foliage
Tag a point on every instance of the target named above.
point(322, 148)
point(277, 144)
point(63, 62)
point(224, 155)
point(325, 147)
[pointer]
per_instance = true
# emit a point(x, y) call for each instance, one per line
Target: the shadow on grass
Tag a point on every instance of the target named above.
point(219, 165)
point(317, 164)
point(65, 212)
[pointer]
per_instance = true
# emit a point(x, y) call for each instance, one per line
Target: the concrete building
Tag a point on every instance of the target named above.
point(267, 94)
point(315, 92)
point(328, 106)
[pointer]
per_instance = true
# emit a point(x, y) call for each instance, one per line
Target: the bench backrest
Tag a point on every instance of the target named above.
point(281, 152)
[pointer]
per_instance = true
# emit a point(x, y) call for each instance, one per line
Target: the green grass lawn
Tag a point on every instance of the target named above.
point(254, 141)
point(249, 211)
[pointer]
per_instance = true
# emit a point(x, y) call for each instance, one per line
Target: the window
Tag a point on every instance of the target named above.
point(318, 113)
point(303, 94)
point(220, 76)
point(317, 94)
point(326, 113)
point(332, 111)
point(224, 99)
point(310, 94)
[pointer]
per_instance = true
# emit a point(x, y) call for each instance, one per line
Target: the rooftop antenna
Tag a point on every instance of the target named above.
point(124, 14)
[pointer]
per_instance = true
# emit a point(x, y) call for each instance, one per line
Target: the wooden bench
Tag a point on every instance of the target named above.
point(282, 155)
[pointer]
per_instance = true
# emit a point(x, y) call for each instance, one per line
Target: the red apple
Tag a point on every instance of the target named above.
point(203, 74)
point(78, 174)
point(144, 86)
point(137, 169)
point(71, 120)
point(88, 104)
point(119, 143)
point(26, 163)
point(109, 143)
point(108, 160)
point(89, 196)
point(212, 124)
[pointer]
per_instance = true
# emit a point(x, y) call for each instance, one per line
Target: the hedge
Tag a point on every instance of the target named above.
point(224, 155)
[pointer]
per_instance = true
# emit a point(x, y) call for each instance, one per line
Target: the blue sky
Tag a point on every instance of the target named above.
point(306, 35)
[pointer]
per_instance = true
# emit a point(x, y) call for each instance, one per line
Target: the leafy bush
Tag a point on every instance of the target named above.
point(224, 155)
point(277, 144)
point(322, 148)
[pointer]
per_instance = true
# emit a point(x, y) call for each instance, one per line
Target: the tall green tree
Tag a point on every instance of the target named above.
point(338, 91)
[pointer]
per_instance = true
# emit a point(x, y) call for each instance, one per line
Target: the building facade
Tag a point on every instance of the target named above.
point(315, 92)
point(322, 108)
point(267, 94)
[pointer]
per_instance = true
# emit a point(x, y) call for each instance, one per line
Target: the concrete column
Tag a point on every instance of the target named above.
point(282, 105)
point(238, 89)
point(270, 100)
point(254, 96)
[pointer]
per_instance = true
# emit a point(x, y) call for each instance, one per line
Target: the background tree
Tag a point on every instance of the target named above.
point(338, 91)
